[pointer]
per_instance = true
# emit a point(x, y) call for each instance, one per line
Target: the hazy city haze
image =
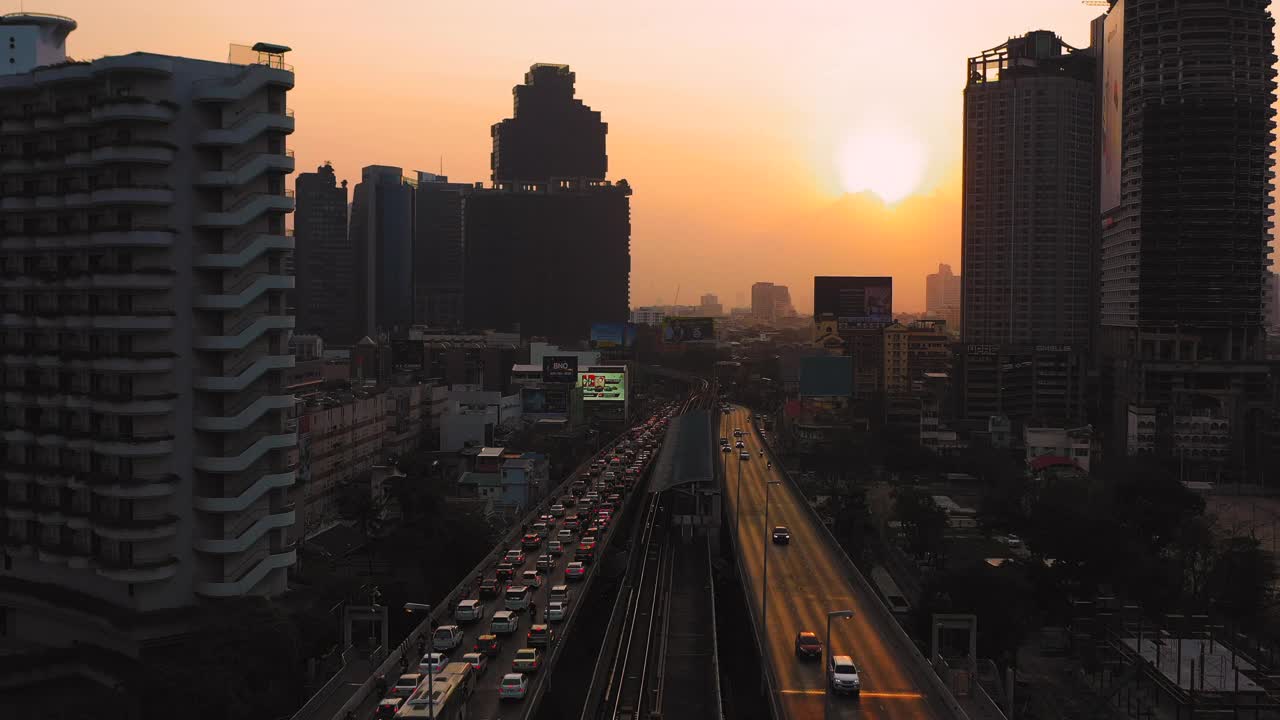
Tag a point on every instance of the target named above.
point(767, 100)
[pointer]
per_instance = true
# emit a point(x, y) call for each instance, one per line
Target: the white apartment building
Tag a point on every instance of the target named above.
point(146, 440)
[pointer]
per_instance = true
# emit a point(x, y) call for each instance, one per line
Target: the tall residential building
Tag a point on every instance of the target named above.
point(327, 287)
point(942, 296)
point(1186, 187)
point(1030, 213)
point(382, 209)
point(548, 259)
point(1271, 316)
point(552, 134)
point(912, 350)
point(439, 252)
point(147, 441)
point(763, 307)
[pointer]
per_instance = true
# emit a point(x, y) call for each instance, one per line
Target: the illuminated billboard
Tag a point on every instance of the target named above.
point(559, 368)
point(1112, 108)
point(688, 329)
point(603, 385)
point(612, 335)
point(854, 300)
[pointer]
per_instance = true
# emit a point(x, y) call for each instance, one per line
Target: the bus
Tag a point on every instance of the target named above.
point(447, 695)
point(893, 597)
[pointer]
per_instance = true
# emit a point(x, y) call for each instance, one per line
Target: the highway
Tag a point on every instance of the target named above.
point(807, 579)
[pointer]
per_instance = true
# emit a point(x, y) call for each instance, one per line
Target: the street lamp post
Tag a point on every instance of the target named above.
point(826, 691)
point(412, 607)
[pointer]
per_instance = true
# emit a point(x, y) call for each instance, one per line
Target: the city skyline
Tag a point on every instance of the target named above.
point(774, 125)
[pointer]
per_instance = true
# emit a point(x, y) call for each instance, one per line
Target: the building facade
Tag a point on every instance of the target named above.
point(327, 288)
point(382, 208)
point(1030, 214)
point(439, 254)
point(942, 294)
point(147, 441)
point(910, 351)
point(552, 135)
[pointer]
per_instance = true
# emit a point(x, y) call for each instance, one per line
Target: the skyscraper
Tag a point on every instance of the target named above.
point(762, 302)
point(1187, 120)
point(782, 307)
point(147, 444)
point(551, 135)
point(439, 252)
point(327, 288)
point(1030, 200)
point(382, 209)
point(942, 292)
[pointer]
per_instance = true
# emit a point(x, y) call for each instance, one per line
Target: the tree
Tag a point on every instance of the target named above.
point(1241, 578)
point(922, 520)
point(1001, 597)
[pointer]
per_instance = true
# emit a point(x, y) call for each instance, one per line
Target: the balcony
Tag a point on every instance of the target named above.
point(139, 571)
point(241, 380)
point(135, 447)
point(132, 195)
point(251, 207)
point(134, 406)
point(247, 169)
point(141, 237)
point(259, 244)
point(17, 203)
point(136, 488)
point(229, 546)
point(133, 108)
point(135, 530)
point(234, 588)
point(237, 463)
point(242, 337)
point(260, 284)
point(250, 80)
point(251, 494)
point(246, 417)
point(135, 153)
point(248, 128)
point(137, 62)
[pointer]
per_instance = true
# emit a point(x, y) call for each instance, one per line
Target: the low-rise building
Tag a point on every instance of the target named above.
point(1072, 446)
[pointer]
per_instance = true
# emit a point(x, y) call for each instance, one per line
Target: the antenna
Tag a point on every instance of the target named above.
point(442, 163)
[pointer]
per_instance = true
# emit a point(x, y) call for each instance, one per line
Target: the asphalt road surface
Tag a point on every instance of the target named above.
point(807, 579)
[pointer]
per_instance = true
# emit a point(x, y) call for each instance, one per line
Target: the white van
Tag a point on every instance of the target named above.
point(469, 611)
point(517, 597)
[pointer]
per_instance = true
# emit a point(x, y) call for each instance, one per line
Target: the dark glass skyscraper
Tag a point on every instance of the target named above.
point(438, 252)
point(326, 288)
point(382, 235)
point(552, 133)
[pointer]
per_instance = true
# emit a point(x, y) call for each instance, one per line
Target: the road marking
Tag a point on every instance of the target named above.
point(879, 695)
point(804, 692)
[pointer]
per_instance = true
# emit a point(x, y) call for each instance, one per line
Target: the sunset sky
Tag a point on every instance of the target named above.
point(739, 124)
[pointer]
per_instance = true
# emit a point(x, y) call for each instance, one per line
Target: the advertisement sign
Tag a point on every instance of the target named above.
point(687, 329)
point(545, 401)
point(603, 385)
point(559, 368)
point(612, 335)
point(854, 300)
point(1112, 108)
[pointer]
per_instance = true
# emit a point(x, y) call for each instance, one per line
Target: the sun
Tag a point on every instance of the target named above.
point(886, 162)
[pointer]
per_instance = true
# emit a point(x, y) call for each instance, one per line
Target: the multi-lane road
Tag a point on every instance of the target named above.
point(806, 580)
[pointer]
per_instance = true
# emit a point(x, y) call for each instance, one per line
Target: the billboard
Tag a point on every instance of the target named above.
point(854, 300)
point(603, 385)
point(688, 329)
point(544, 401)
point(1112, 108)
point(612, 335)
point(559, 368)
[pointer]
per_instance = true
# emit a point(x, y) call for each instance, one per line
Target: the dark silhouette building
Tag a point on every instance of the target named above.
point(1030, 214)
point(326, 288)
point(552, 134)
point(438, 252)
point(382, 208)
point(548, 259)
point(1186, 187)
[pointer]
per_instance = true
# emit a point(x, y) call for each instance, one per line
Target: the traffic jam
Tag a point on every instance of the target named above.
point(501, 634)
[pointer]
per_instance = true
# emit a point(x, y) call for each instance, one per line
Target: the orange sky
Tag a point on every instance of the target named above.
point(725, 116)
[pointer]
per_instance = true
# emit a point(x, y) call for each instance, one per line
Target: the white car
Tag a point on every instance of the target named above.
point(557, 510)
point(514, 686)
point(469, 611)
point(575, 571)
point(555, 548)
point(531, 578)
point(479, 662)
point(432, 664)
point(565, 536)
point(843, 675)
point(744, 455)
point(405, 685)
point(557, 610)
point(446, 638)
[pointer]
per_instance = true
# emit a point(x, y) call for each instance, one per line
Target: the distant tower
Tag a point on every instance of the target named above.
point(552, 134)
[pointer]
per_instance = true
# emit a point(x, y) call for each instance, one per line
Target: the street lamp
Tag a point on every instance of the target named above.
point(826, 691)
point(411, 608)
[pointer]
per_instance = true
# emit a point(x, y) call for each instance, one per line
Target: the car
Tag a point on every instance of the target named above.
point(488, 645)
point(737, 432)
point(575, 571)
point(515, 557)
point(540, 531)
point(568, 501)
point(724, 411)
point(724, 441)
point(545, 562)
point(531, 541)
point(479, 662)
point(488, 588)
point(517, 598)
point(808, 645)
point(514, 686)
point(432, 664)
point(744, 455)
point(584, 555)
point(726, 449)
point(387, 708)
point(558, 592)
point(527, 660)
point(557, 610)
point(588, 543)
point(739, 444)
point(843, 676)
point(468, 611)
point(504, 572)
point(557, 510)
point(593, 530)
point(405, 685)
point(531, 578)
point(540, 636)
point(504, 622)
point(565, 536)
point(446, 638)
point(555, 548)
point(571, 523)
point(781, 535)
